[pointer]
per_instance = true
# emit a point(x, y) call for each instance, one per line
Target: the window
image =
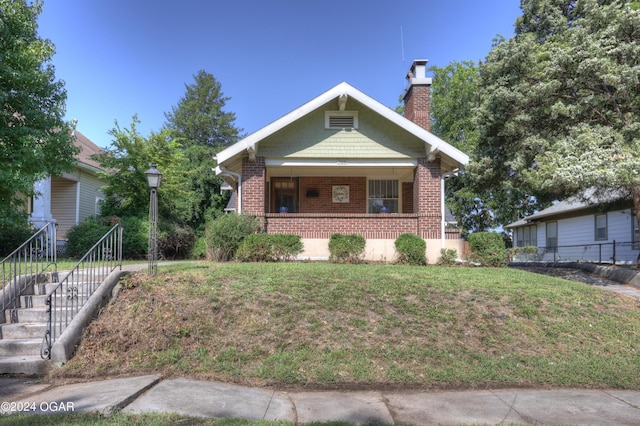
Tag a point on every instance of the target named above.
point(341, 119)
point(552, 235)
point(284, 195)
point(527, 236)
point(635, 232)
point(601, 227)
point(383, 193)
point(99, 203)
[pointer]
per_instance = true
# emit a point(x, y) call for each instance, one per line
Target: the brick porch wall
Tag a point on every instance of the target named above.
point(323, 225)
point(253, 186)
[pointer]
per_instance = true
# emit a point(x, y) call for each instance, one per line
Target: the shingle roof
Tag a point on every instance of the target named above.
point(87, 149)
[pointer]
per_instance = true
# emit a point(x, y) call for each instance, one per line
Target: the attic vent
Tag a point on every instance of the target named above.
point(341, 120)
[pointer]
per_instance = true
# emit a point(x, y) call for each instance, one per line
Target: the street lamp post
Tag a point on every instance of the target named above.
point(154, 177)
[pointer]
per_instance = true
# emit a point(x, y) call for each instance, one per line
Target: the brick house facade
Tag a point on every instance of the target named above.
point(345, 163)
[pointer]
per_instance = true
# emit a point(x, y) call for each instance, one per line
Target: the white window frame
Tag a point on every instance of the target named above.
point(521, 240)
point(397, 199)
point(596, 236)
point(549, 244)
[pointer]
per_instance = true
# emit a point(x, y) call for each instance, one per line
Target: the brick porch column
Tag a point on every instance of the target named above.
point(426, 198)
point(253, 186)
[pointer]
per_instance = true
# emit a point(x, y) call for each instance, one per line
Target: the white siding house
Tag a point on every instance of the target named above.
point(575, 230)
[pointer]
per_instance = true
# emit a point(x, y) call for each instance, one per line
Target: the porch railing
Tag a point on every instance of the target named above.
point(76, 286)
point(26, 266)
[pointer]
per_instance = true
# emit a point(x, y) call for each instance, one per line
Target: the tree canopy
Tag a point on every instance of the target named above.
point(560, 103)
point(203, 127)
point(35, 141)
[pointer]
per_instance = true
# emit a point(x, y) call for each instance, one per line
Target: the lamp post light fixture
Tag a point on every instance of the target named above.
point(154, 177)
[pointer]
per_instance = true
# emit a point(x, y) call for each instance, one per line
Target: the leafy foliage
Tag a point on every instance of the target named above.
point(81, 237)
point(448, 257)
point(411, 249)
point(203, 128)
point(175, 241)
point(346, 248)
point(269, 247)
point(560, 103)
point(35, 141)
point(487, 248)
point(15, 229)
point(225, 233)
point(126, 160)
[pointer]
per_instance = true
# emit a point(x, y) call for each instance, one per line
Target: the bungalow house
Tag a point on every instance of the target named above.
point(71, 198)
point(583, 228)
point(345, 163)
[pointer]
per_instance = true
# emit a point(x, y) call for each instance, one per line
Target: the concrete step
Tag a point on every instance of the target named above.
point(19, 347)
point(22, 331)
point(27, 315)
point(65, 288)
point(29, 365)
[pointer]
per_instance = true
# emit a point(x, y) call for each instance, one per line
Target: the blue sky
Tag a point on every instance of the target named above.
point(122, 57)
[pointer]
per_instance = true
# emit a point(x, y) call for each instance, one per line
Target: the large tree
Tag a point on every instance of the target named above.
point(560, 103)
point(203, 127)
point(455, 97)
point(35, 141)
point(127, 158)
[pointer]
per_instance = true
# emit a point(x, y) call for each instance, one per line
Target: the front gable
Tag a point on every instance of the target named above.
point(381, 134)
point(373, 138)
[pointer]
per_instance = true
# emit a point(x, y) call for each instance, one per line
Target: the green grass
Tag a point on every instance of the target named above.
point(366, 325)
point(119, 419)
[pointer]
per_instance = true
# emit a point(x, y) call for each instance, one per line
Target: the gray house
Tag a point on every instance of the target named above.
point(582, 229)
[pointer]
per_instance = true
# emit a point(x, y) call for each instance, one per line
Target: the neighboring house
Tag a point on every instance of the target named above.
point(345, 163)
point(69, 199)
point(581, 229)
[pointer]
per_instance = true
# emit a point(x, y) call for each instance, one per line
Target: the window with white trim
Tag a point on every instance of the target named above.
point(383, 195)
point(601, 227)
point(527, 236)
point(341, 119)
point(552, 235)
point(635, 231)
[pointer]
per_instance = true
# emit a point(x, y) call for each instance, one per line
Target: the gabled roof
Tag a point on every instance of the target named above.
point(87, 149)
point(588, 200)
point(433, 142)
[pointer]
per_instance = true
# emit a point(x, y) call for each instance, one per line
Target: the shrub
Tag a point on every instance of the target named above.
point(176, 241)
point(135, 239)
point(269, 247)
point(346, 248)
point(15, 229)
point(225, 233)
point(83, 236)
point(448, 257)
point(411, 249)
point(199, 249)
point(523, 254)
point(487, 248)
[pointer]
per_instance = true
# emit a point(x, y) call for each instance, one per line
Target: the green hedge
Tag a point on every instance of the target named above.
point(346, 248)
point(411, 249)
point(487, 248)
point(269, 247)
point(225, 233)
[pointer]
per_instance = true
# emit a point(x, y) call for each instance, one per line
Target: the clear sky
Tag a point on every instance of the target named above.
point(122, 57)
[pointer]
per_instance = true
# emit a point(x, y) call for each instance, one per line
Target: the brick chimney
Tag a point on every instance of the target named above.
point(417, 96)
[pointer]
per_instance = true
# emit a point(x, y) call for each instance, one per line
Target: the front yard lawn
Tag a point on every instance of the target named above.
point(323, 325)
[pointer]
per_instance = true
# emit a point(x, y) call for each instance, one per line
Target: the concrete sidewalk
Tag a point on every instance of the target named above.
point(211, 399)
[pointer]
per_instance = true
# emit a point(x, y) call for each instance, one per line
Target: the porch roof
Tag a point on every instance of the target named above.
point(433, 145)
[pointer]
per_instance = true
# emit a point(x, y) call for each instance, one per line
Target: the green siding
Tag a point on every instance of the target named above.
point(374, 138)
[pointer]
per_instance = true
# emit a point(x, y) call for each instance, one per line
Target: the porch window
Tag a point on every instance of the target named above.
point(383, 193)
point(601, 227)
point(552, 235)
point(284, 195)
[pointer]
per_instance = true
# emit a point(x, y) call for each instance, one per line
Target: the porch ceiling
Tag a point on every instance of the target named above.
point(404, 173)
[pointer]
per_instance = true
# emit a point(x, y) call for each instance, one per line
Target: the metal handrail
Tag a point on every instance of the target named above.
point(76, 286)
point(26, 266)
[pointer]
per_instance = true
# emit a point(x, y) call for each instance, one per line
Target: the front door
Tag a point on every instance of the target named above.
point(284, 195)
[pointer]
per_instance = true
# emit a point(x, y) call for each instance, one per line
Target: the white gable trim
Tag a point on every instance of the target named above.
point(434, 143)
